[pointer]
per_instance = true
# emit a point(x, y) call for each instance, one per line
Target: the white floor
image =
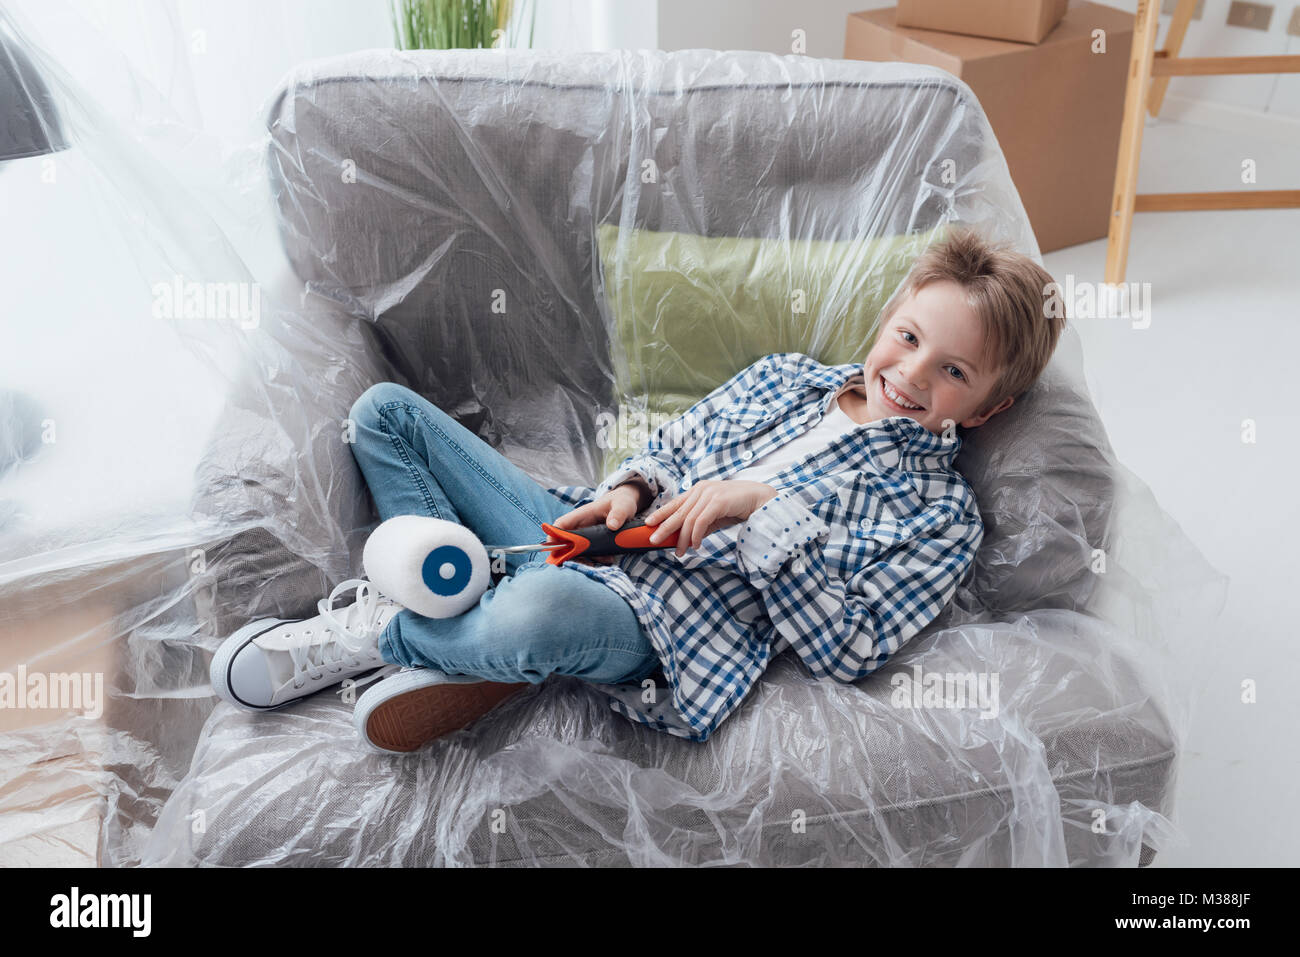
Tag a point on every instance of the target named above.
point(1223, 346)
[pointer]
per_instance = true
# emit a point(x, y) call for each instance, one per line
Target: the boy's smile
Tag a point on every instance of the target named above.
point(926, 363)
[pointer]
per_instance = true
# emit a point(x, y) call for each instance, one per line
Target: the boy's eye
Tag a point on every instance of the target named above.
point(960, 374)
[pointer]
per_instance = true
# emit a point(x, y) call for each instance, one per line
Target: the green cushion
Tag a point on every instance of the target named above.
point(691, 311)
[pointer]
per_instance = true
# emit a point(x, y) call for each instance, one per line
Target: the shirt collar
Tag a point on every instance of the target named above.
point(917, 448)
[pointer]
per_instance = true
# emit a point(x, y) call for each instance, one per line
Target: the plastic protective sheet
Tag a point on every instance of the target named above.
point(433, 219)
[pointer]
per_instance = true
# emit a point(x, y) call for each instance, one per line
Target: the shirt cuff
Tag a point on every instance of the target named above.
point(661, 482)
point(780, 528)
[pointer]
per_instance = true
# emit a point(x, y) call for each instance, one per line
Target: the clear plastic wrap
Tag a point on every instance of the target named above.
point(437, 220)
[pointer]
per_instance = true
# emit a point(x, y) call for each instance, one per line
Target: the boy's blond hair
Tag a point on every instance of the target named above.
point(1017, 302)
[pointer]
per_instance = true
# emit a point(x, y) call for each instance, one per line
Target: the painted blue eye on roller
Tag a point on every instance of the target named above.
point(447, 570)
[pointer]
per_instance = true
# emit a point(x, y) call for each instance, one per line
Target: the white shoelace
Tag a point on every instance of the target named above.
point(344, 636)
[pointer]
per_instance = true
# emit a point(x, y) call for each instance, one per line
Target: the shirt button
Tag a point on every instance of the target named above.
point(810, 416)
point(865, 523)
point(686, 485)
point(747, 455)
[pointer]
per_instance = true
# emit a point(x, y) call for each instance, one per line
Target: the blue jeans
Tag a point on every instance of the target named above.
point(539, 619)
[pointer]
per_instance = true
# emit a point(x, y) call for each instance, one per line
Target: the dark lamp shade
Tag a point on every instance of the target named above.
point(29, 122)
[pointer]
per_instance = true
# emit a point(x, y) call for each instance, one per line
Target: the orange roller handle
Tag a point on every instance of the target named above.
point(601, 540)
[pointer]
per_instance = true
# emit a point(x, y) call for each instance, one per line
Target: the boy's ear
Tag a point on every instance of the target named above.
point(980, 419)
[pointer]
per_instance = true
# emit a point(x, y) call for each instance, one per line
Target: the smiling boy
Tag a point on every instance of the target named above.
point(931, 363)
point(817, 510)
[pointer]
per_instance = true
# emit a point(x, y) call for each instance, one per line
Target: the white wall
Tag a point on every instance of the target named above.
point(1211, 36)
point(758, 24)
point(212, 63)
point(250, 44)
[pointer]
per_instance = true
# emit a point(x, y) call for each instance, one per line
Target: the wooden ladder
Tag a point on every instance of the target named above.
point(1148, 76)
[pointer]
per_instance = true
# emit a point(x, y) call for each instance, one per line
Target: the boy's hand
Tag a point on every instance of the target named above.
point(707, 507)
point(614, 508)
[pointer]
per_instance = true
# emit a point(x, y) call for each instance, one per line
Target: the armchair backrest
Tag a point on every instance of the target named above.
point(451, 198)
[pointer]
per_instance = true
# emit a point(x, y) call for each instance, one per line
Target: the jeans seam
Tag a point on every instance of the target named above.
point(473, 463)
point(400, 446)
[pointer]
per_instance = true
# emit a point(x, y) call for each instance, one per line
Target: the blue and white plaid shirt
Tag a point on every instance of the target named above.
point(864, 544)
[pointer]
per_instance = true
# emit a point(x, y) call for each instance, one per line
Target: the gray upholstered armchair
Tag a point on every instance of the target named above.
point(412, 190)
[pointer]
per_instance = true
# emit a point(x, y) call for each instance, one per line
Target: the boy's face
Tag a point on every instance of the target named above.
point(929, 351)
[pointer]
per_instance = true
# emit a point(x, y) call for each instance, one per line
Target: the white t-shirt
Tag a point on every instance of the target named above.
point(833, 424)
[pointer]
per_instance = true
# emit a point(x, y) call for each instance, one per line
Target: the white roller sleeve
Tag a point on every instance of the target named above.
point(435, 568)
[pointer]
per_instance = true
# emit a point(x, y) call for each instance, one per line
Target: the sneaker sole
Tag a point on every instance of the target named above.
point(408, 721)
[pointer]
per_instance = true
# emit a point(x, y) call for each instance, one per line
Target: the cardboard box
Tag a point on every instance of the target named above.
point(1024, 21)
point(1056, 108)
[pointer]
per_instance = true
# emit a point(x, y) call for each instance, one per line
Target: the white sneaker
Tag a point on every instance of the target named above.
point(416, 706)
point(272, 662)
